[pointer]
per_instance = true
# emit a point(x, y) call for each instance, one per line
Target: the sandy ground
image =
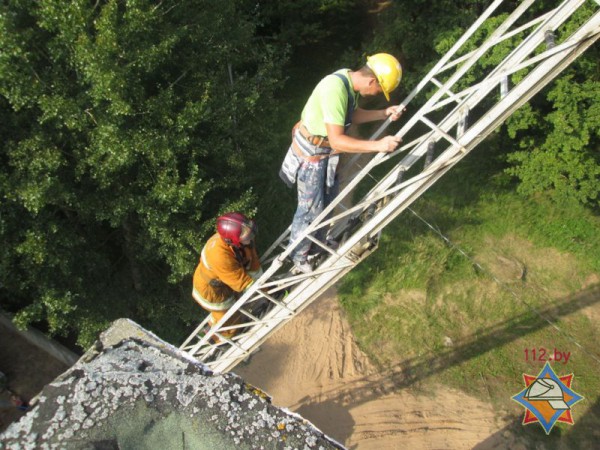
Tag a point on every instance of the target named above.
point(313, 366)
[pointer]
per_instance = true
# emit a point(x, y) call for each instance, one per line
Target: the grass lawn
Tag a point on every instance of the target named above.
point(518, 274)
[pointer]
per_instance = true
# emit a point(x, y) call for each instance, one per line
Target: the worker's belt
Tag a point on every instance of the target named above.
point(317, 141)
point(306, 145)
point(214, 282)
point(312, 159)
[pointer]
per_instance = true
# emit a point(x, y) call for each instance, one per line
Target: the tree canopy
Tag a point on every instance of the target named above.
point(128, 126)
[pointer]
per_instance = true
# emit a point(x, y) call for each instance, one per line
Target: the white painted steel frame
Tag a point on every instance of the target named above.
point(358, 227)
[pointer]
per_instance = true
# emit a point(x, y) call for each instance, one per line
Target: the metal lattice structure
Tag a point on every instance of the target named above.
point(459, 89)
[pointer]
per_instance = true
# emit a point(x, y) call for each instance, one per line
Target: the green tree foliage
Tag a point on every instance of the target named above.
point(128, 126)
point(304, 22)
point(558, 138)
point(420, 31)
point(558, 134)
point(553, 142)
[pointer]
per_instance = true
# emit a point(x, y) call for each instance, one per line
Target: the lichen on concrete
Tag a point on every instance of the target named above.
point(136, 394)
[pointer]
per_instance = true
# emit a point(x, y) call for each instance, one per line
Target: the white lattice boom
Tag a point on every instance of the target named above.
point(537, 46)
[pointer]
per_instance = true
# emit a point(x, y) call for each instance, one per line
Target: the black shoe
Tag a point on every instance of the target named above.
point(262, 307)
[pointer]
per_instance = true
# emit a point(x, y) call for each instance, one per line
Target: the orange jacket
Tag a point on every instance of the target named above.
point(220, 275)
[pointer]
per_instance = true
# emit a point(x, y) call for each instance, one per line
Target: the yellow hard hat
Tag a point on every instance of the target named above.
point(388, 71)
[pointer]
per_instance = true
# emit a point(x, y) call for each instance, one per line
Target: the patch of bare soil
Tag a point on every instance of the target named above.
point(314, 367)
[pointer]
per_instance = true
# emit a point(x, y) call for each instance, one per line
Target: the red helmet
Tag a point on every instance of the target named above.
point(236, 229)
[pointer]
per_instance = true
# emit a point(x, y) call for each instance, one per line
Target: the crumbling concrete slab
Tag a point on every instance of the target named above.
point(134, 391)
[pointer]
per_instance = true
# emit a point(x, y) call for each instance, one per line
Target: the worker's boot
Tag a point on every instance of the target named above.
point(301, 268)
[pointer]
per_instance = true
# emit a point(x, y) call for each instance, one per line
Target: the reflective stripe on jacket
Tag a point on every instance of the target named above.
point(210, 306)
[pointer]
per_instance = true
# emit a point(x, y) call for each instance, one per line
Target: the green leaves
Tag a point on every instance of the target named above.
point(560, 147)
point(129, 127)
point(554, 140)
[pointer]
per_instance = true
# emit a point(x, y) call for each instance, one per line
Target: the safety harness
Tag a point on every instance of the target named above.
point(350, 107)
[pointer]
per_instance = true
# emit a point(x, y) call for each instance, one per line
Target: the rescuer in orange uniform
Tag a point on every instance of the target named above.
point(228, 266)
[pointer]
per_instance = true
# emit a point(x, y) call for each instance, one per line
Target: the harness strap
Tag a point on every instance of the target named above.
point(238, 256)
point(350, 105)
point(312, 139)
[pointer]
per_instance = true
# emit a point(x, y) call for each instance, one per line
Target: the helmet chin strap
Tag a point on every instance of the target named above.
point(231, 244)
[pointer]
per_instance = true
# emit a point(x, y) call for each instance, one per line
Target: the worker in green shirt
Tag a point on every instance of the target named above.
point(321, 136)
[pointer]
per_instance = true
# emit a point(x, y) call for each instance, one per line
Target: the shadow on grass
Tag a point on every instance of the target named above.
point(507, 437)
point(397, 242)
point(416, 369)
point(586, 431)
point(583, 435)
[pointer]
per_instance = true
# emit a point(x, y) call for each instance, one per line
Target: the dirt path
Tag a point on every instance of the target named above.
point(313, 366)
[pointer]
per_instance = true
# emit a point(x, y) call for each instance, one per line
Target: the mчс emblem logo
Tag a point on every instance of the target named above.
point(547, 398)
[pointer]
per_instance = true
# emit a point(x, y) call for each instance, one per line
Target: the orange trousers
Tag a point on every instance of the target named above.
point(236, 319)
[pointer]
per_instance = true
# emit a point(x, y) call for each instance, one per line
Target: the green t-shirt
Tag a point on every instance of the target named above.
point(327, 104)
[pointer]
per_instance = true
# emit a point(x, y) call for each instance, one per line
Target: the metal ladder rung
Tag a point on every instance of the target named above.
point(446, 136)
